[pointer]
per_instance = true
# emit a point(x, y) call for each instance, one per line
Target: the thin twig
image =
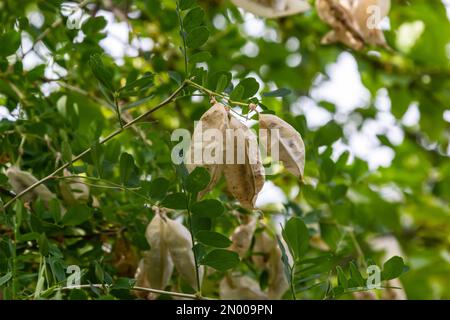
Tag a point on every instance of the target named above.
point(171, 293)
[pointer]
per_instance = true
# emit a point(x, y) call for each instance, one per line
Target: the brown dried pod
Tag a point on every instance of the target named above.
point(21, 180)
point(338, 15)
point(273, 8)
point(142, 278)
point(291, 149)
point(367, 15)
point(179, 243)
point(158, 261)
point(267, 255)
point(73, 191)
point(242, 237)
point(208, 139)
point(237, 287)
point(124, 258)
point(244, 172)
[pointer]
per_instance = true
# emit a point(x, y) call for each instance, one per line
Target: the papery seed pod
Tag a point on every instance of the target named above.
point(264, 244)
point(242, 237)
point(291, 149)
point(179, 243)
point(142, 278)
point(278, 283)
point(207, 144)
point(20, 180)
point(267, 255)
point(338, 15)
point(158, 258)
point(367, 16)
point(235, 287)
point(73, 191)
point(244, 172)
point(273, 8)
point(124, 258)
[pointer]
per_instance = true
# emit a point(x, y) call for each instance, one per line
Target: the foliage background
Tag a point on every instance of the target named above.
point(52, 107)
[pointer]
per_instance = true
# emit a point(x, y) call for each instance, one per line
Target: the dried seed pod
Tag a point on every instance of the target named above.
point(242, 237)
point(367, 15)
point(142, 278)
point(267, 255)
point(179, 243)
point(73, 191)
point(278, 283)
point(354, 22)
point(264, 244)
point(124, 258)
point(158, 259)
point(273, 8)
point(235, 287)
point(20, 180)
point(244, 172)
point(291, 149)
point(207, 144)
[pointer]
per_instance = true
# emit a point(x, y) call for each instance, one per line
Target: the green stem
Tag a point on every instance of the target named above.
point(292, 283)
point(183, 37)
point(215, 94)
point(191, 231)
point(116, 105)
point(14, 261)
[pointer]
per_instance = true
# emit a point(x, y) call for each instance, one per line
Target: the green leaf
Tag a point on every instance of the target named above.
point(158, 188)
point(186, 4)
point(137, 86)
point(200, 57)
point(392, 268)
point(342, 279)
point(219, 81)
point(209, 208)
point(355, 275)
point(66, 151)
point(247, 88)
point(295, 233)
point(285, 260)
point(97, 157)
point(10, 43)
point(197, 180)
point(5, 278)
point(221, 259)
point(200, 224)
point(129, 173)
point(328, 134)
point(197, 37)
point(193, 19)
point(213, 239)
point(94, 25)
point(43, 245)
point(76, 215)
point(175, 201)
point(281, 92)
point(103, 74)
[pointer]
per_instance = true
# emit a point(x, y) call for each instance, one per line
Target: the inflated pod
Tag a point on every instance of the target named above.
point(237, 287)
point(21, 180)
point(207, 144)
point(179, 244)
point(73, 191)
point(158, 261)
point(367, 15)
point(244, 172)
point(273, 8)
point(242, 237)
point(291, 149)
